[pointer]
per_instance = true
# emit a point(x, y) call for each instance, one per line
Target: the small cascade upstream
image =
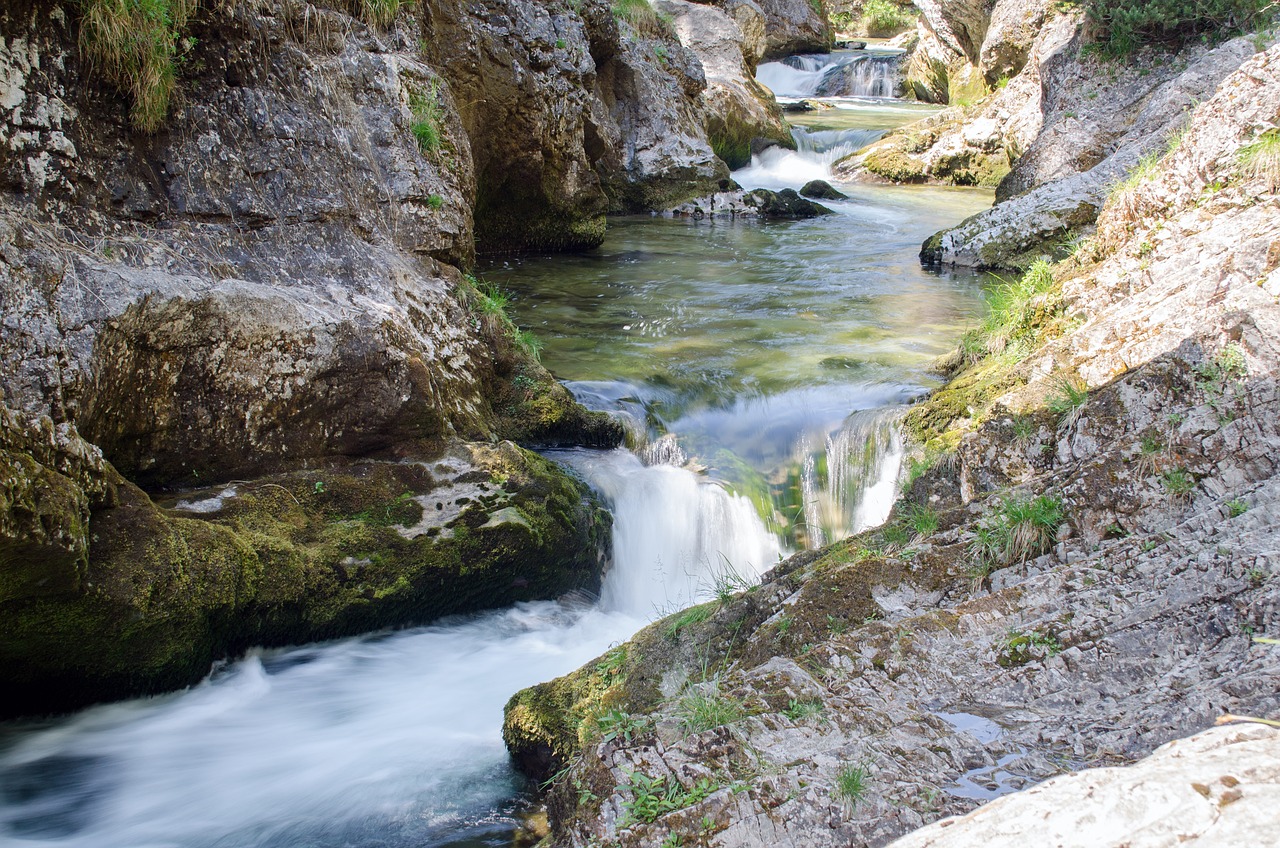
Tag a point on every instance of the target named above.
point(859, 73)
point(850, 482)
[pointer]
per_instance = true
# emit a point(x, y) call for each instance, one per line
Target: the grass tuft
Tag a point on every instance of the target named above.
point(1068, 399)
point(705, 708)
point(1260, 159)
point(427, 124)
point(134, 44)
point(379, 13)
point(1018, 529)
point(851, 782)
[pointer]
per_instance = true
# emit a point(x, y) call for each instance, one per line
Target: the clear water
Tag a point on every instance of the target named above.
point(749, 345)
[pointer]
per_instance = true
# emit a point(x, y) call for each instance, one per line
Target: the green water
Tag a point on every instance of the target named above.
point(753, 342)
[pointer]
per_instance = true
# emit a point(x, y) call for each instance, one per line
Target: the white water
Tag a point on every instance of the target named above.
point(389, 740)
point(844, 74)
point(816, 151)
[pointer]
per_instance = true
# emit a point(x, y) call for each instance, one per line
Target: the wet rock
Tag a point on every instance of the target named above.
point(821, 190)
point(784, 204)
point(340, 549)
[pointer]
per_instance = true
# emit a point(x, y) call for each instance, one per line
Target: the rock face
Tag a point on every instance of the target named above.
point(1213, 788)
point(739, 113)
point(572, 111)
point(265, 291)
point(968, 650)
point(794, 26)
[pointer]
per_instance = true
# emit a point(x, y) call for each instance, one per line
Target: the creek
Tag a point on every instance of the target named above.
point(760, 367)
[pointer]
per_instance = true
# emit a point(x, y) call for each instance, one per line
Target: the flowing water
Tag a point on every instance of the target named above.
point(768, 360)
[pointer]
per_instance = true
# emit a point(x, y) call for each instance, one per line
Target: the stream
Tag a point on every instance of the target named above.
point(759, 366)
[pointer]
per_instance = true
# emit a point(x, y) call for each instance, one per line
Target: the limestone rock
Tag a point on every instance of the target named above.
point(1218, 787)
point(736, 109)
point(794, 26)
point(1011, 32)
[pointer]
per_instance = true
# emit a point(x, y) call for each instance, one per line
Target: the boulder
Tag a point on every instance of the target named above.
point(784, 204)
point(737, 110)
point(821, 190)
point(794, 26)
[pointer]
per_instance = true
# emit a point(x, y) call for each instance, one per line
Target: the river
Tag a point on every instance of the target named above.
point(759, 366)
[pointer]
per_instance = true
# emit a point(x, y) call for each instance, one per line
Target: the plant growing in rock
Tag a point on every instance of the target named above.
point(1260, 159)
point(1236, 507)
point(1178, 482)
point(638, 13)
point(617, 724)
point(691, 616)
point(798, 710)
point(922, 519)
point(427, 125)
point(851, 782)
point(379, 12)
point(135, 44)
point(1021, 647)
point(1017, 529)
point(1068, 399)
point(652, 797)
point(1011, 311)
point(1227, 369)
point(704, 708)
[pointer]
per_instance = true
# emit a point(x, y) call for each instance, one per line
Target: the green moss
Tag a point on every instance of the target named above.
point(291, 559)
point(889, 161)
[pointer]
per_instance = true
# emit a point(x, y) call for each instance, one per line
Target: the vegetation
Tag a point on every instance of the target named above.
point(1236, 507)
point(1068, 398)
point(638, 13)
point(492, 303)
point(135, 44)
point(1018, 529)
point(921, 518)
point(379, 12)
point(1011, 314)
point(693, 615)
point(1226, 369)
point(1178, 482)
point(1021, 647)
point(616, 724)
point(652, 797)
point(1260, 159)
point(851, 782)
point(798, 710)
point(705, 708)
point(1122, 27)
point(884, 18)
point(427, 125)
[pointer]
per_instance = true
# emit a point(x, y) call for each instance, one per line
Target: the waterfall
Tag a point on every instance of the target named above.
point(390, 739)
point(860, 74)
point(856, 491)
point(816, 151)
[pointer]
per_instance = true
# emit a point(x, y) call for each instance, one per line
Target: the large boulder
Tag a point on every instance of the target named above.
point(265, 290)
point(794, 26)
point(739, 113)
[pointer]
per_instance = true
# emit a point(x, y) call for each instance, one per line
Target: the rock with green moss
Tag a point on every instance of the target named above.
point(341, 549)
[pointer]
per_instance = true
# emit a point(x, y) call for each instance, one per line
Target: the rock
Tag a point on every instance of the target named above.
point(784, 204)
point(806, 106)
point(1208, 789)
point(960, 25)
point(265, 292)
point(794, 26)
point(1010, 34)
point(336, 550)
point(851, 45)
point(736, 109)
point(570, 114)
point(821, 190)
point(750, 19)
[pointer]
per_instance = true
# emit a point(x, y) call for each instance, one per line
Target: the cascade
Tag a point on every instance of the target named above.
point(842, 74)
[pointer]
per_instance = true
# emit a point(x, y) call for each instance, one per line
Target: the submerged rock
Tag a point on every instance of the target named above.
point(784, 204)
point(822, 190)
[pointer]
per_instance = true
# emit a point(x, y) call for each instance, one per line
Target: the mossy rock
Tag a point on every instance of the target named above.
point(889, 161)
point(293, 558)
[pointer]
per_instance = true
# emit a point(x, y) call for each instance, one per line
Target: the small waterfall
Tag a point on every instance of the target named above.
point(674, 534)
point(849, 483)
point(861, 74)
point(816, 151)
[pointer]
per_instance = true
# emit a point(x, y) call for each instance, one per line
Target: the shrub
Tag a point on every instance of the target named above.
point(1122, 27)
point(1018, 529)
point(134, 43)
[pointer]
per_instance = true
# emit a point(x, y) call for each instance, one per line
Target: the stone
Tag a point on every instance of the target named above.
point(822, 190)
point(1212, 788)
